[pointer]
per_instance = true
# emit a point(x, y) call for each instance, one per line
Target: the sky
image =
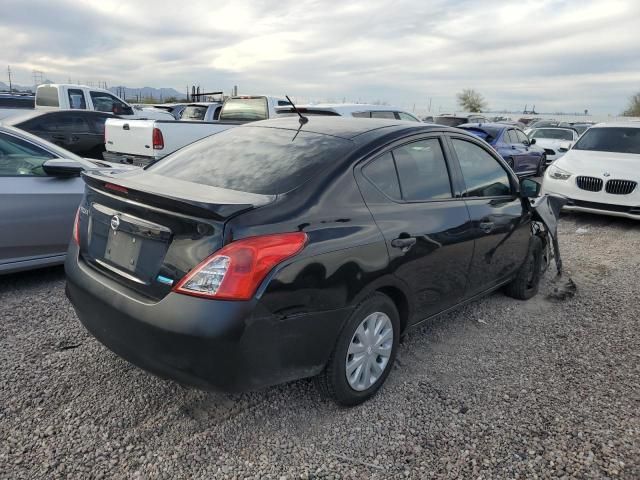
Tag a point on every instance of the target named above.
point(561, 55)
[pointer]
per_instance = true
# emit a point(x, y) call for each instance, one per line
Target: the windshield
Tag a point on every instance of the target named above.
point(267, 161)
point(245, 109)
point(610, 139)
point(450, 121)
point(553, 134)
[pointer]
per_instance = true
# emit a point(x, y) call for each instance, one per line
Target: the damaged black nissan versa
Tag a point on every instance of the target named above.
point(290, 249)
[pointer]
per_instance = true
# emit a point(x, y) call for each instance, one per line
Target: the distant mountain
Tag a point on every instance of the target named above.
point(138, 94)
point(4, 87)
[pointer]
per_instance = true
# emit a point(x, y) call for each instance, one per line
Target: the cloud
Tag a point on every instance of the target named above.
point(559, 54)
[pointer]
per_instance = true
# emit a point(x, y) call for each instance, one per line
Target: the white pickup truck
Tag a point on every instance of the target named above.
point(141, 142)
point(52, 96)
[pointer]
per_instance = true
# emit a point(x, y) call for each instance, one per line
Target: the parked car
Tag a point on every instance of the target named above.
point(50, 96)
point(555, 141)
point(357, 110)
point(457, 120)
point(12, 103)
point(522, 154)
point(600, 174)
point(281, 249)
point(528, 120)
point(513, 123)
point(40, 190)
point(141, 142)
point(201, 112)
point(79, 131)
point(175, 109)
point(581, 127)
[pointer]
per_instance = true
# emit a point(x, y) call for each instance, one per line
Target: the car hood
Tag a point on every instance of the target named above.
point(617, 165)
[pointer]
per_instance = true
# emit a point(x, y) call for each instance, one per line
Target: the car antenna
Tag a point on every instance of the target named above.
point(302, 118)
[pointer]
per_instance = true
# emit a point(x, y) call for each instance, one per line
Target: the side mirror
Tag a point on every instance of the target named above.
point(529, 188)
point(61, 167)
point(532, 141)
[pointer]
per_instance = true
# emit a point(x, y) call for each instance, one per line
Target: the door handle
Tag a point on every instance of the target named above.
point(486, 227)
point(403, 243)
point(58, 137)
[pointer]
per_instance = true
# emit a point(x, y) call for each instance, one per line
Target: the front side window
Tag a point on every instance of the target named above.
point(21, 158)
point(513, 137)
point(610, 139)
point(406, 116)
point(522, 138)
point(483, 175)
point(76, 99)
point(104, 102)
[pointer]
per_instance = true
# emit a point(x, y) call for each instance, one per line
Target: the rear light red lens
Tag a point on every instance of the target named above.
point(116, 188)
point(236, 271)
point(76, 232)
point(158, 139)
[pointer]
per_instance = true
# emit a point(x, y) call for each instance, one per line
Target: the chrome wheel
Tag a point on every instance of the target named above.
point(369, 351)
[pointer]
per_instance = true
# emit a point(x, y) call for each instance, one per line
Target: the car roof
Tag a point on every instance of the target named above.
point(23, 117)
point(496, 125)
point(351, 107)
point(345, 127)
point(627, 124)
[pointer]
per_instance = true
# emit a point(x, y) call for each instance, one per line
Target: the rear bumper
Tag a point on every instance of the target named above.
point(221, 345)
point(126, 158)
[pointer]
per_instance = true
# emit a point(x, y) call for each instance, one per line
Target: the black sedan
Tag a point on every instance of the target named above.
point(79, 131)
point(281, 250)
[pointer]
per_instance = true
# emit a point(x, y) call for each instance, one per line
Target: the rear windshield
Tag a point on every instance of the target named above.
point(553, 133)
point(450, 121)
point(194, 112)
point(488, 134)
point(245, 109)
point(613, 139)
point(47, 97)
point(267, 161)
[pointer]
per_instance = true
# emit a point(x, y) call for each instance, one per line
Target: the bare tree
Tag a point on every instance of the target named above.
point(471, 101)
point(634, 106)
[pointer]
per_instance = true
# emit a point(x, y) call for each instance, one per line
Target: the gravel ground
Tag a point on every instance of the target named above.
point(498, 389)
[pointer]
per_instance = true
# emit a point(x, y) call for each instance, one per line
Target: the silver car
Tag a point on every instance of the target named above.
point(40, 190)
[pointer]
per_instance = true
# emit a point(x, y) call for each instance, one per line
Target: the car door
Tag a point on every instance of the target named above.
point(95, 138)
point(500, 221)
point(531, 155)
point(515, 151)
point(423, 219)
point(36, 210)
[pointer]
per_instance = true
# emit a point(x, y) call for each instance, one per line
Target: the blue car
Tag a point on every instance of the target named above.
point(520, 152)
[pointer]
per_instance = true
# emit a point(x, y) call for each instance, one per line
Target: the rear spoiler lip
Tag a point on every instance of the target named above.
point(166, 201)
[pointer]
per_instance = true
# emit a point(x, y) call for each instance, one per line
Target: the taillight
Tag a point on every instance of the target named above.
point(236, 271)
point(158, 140)
point(116, 188)
point(76, 232)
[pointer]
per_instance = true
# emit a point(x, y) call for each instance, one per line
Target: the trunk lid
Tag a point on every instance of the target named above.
point(147, 231)
point(134, 137)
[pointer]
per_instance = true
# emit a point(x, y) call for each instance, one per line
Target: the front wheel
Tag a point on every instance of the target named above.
point(364, 353)
point(541, 166)
point(527, 281)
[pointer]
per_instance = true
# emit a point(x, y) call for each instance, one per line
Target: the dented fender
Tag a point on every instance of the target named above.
point(546, 209)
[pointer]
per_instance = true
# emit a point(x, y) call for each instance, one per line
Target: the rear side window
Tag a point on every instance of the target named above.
point(267, 161)
point(382, 173)
point(47, 96)
point(245, 109)
point(423, 171)
point(483, 175)
point(383, 114)
point(76, 99)
point(194, 112)
point(413, 172)
point(361, 114)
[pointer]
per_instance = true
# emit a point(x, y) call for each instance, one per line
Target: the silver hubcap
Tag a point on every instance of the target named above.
point(369, 351)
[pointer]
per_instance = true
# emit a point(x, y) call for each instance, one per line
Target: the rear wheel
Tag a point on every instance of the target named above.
point(527, 282)
point(364, 353)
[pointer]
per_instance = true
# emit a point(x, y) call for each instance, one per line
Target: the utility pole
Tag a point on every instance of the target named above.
point(9, 72)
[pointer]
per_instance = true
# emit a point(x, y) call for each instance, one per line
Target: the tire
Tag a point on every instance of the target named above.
point(527, 281)
point(510, 162)
point(378, 311)
point(541, 166)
